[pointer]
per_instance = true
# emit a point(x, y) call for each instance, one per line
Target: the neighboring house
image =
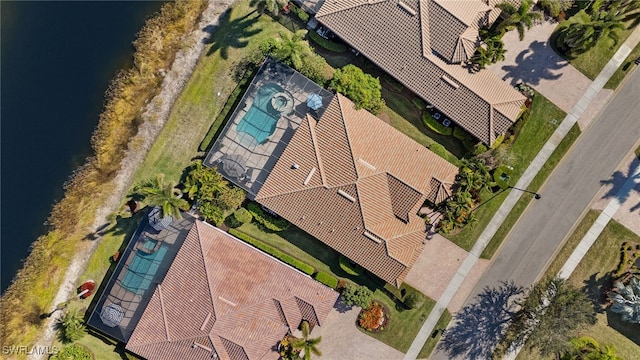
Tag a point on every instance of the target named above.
point(357, 184)
point(423, 44)
point(223, 299)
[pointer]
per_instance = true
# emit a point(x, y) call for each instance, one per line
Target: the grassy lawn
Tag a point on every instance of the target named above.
point(623, 70)
point(536, 130)
point(593, 61)
point(431, 343)
point(591, 274)
point(535, 185)
point(404, 324)
point(239, 33)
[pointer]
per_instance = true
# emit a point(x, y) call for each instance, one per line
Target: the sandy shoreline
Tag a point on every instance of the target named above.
point(155, 117)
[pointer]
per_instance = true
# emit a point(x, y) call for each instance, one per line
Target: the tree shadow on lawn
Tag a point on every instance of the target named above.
point(479, 327)
point(231, 33)
point(597, 288)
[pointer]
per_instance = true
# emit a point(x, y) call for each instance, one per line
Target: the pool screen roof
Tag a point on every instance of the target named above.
point(262, 124)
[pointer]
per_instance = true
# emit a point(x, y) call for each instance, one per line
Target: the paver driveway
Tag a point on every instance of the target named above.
point(534, 62)
point(342, 340)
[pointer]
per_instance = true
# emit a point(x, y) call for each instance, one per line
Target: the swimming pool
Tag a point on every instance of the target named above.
point(142, 270)
point(261, 119)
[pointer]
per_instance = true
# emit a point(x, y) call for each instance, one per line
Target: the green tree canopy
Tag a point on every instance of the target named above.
point(363, 89)
point(520, 18)
point(587, 348)
point(157, 192)
point(551, 315)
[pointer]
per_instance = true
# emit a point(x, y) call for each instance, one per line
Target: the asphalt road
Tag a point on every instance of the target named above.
point(566, 194)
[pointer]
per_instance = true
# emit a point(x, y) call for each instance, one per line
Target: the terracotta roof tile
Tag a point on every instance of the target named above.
point(403, 46)
point(371, 219)
point(233, 292)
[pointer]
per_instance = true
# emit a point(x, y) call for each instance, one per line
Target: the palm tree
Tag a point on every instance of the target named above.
point(305, 343)
point(555, 7)
point(489, 52)
point(155, 192)
point(71, 326)
point(291, 48)
point(626, 300)
point(580, 37)
point(587, 348)
point(521, 18)
point(274, 6)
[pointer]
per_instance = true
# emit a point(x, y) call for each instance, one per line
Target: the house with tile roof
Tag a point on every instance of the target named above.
point(423, 44)
point(223, 299)
point(356, 184)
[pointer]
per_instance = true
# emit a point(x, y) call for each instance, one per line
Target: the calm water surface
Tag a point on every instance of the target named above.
point(56, 62)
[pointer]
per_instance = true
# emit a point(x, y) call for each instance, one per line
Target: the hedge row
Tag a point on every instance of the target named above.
point(326, 279)
point(305, 268)
point(434, 125)
point(327, 44)
point(265, 219)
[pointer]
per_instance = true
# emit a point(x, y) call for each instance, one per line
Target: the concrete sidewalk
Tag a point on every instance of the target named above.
point(463, 271)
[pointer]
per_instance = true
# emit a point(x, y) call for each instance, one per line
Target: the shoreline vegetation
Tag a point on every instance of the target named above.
point(34, 290)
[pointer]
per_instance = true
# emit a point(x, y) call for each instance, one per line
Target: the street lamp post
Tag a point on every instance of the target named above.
point(536, 195)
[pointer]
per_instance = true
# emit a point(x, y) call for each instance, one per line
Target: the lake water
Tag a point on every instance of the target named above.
point(57, 59)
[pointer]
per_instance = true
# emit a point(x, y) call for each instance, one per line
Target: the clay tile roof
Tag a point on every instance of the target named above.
point(232, 305)
point(423, 52)
point(368, 214)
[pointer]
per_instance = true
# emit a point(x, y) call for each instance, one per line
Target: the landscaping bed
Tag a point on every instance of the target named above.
point(533, 134)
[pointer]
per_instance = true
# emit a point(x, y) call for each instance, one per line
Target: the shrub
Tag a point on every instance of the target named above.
point(373, 318)
point(305, 268)
point(434, 125)
point(414, 300)
point(497, 141)
point(357, 296)
point(467, 140)
point(211, 213)
point(301, 14)
point(479, 148)
point(268, 221)
point(351, 269)
point(502, 175)
point(73, 352)
point(459, 133)
point(326, 44)
point(326, 279)
point(418, 103)
point(363, 89)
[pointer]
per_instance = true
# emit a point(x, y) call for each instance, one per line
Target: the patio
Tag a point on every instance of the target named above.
point(260, 128)
point(143, 264)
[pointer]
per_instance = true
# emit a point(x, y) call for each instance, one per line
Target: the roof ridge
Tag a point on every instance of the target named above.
point(454, 14)
point(164, 314)
point(213, 318)
point(346, 131)
point(316, 151)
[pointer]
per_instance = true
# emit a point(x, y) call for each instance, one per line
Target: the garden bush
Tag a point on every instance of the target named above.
point(434, 125)
point(414, 300)
point(479, 148)
point(301, 14)
point(265, 219)
point(326, 44)
point(351, 269)
point(467, 140)
point(374, 318)
point(418, 103)
point(326, 279)
point(363, 89)
point(285, 258)
point(73, 352)
point(71, 326)
point(357, 296)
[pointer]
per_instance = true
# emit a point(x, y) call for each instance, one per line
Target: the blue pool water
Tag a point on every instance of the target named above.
point(142, 269)
point(261, 119)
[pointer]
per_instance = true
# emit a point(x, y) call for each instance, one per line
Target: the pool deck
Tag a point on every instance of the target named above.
point(134, 303)
point(237, 155)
